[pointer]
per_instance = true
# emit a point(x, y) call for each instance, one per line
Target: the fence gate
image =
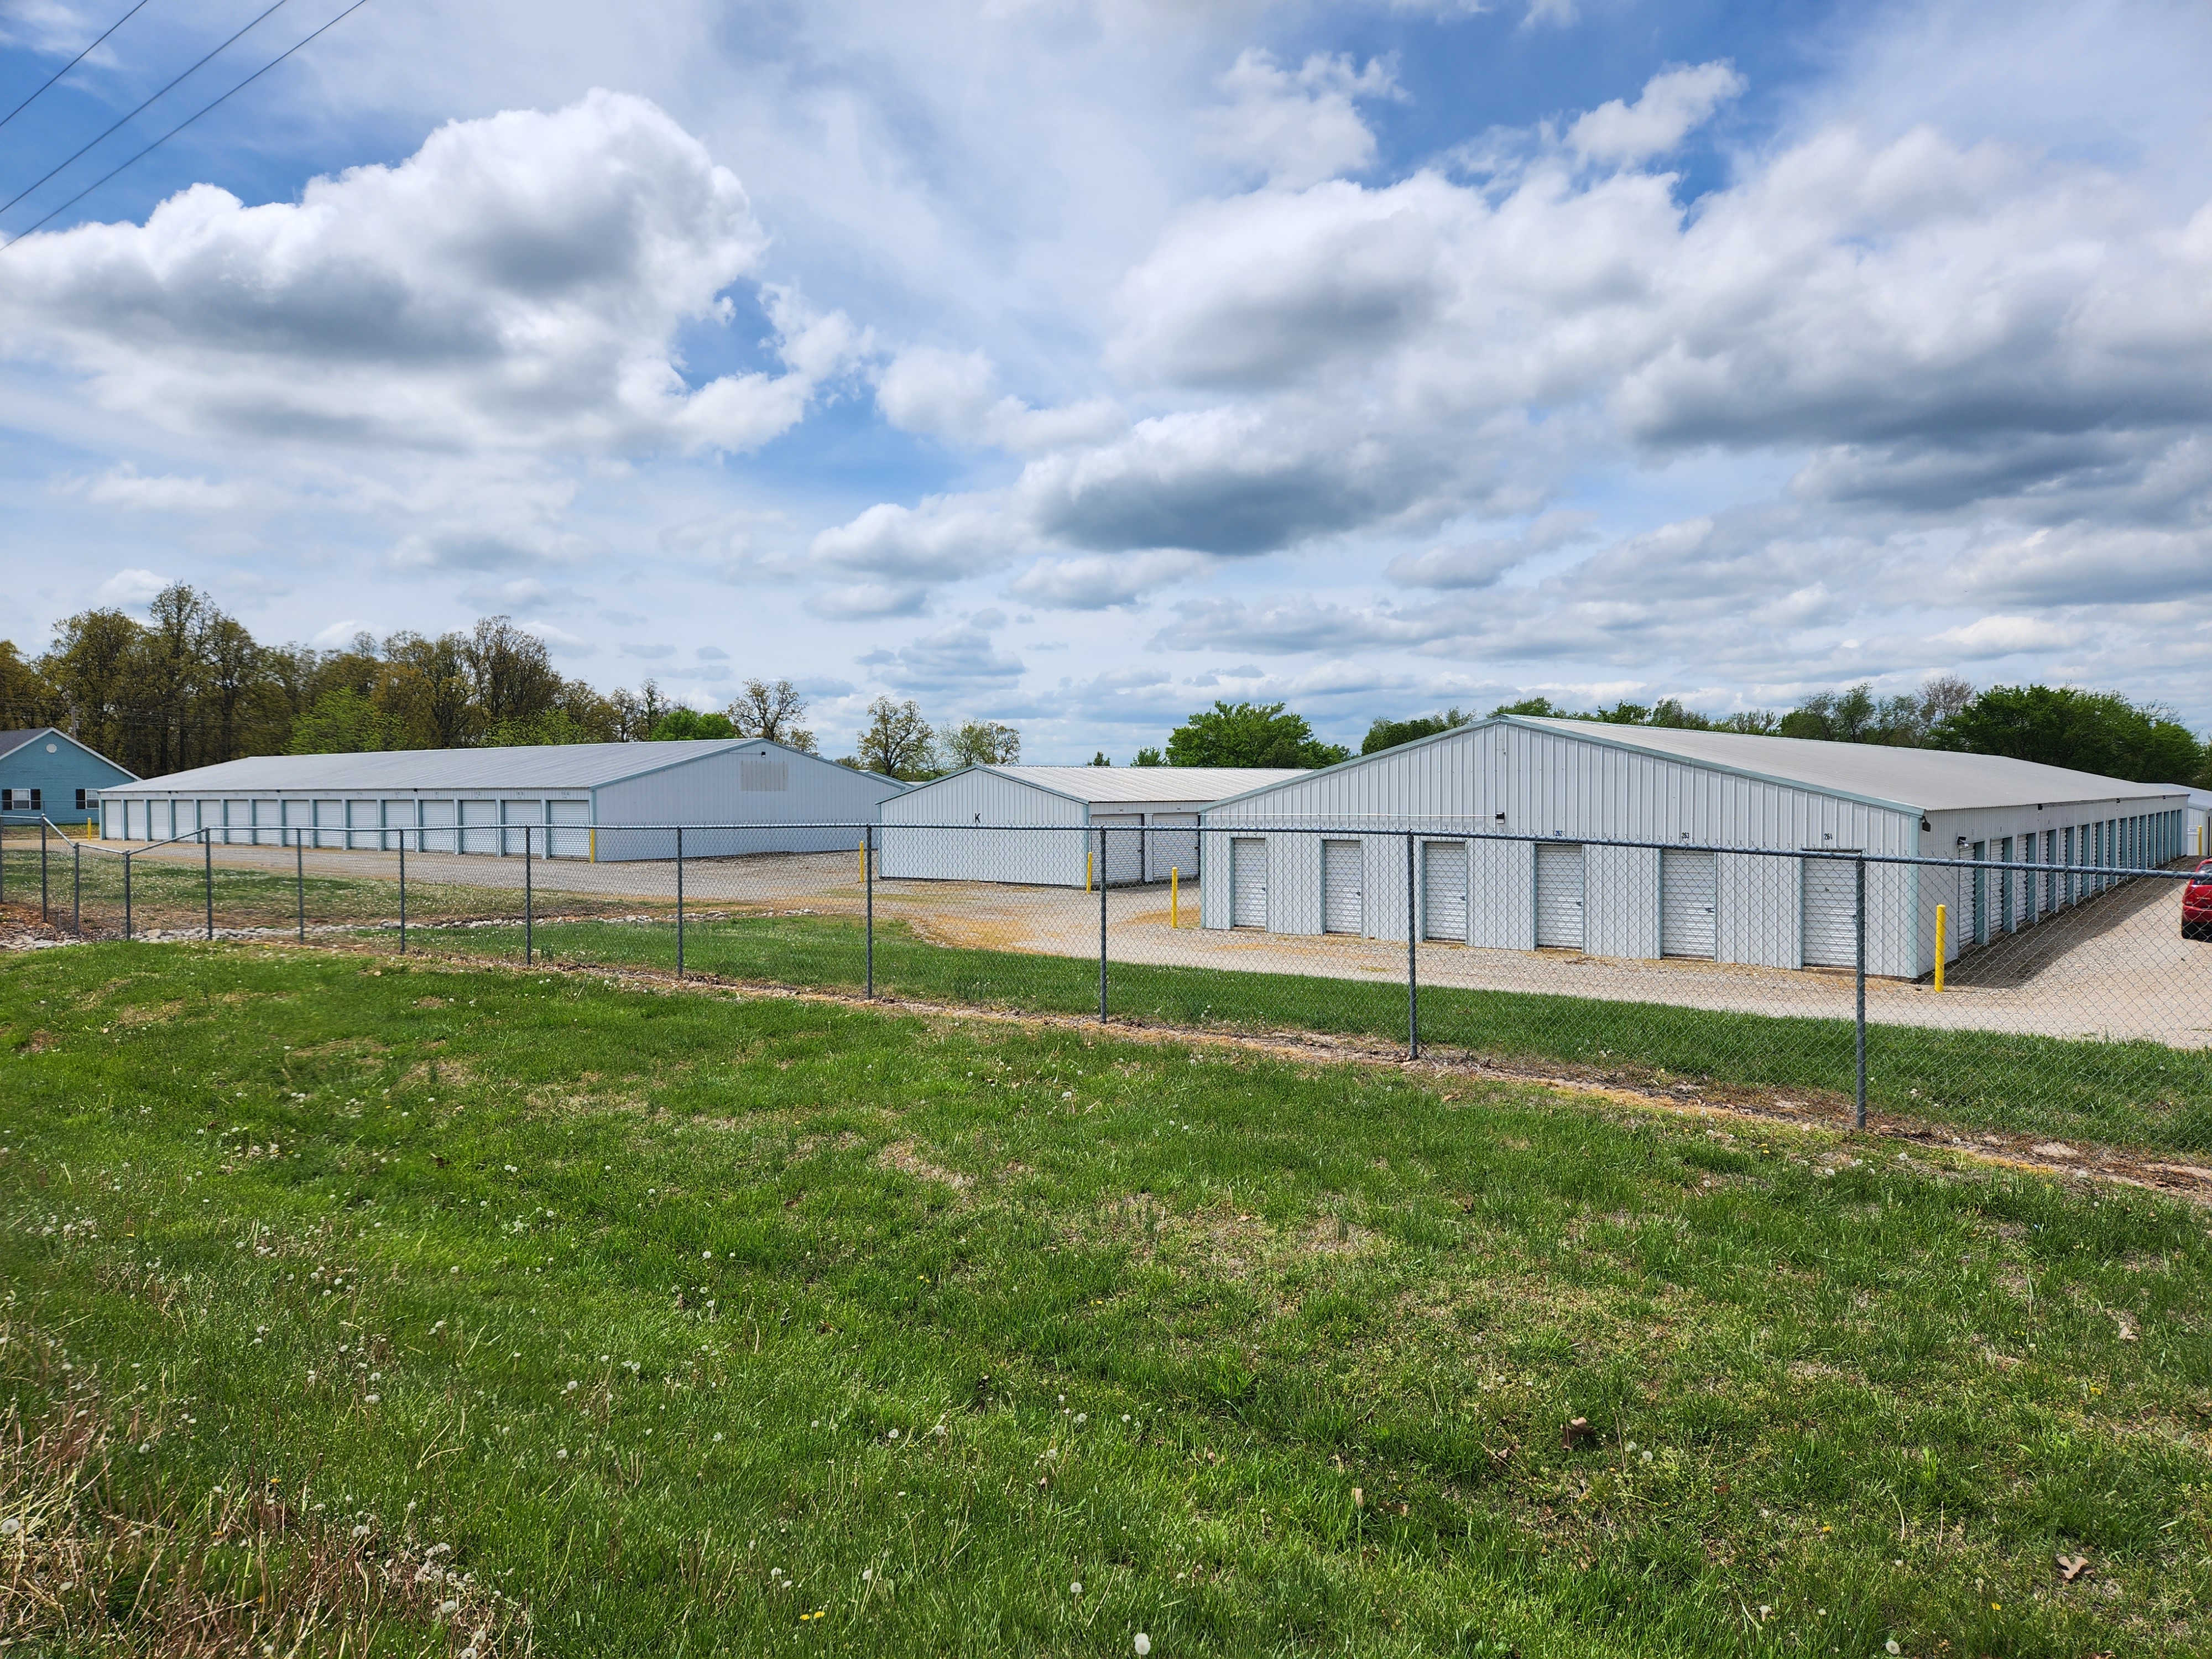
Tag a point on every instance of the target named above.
point(1122, 844)
point(1831, 910)
point(1444, 890)
point(1341, 910)
point(1559, 894)
point(1248, 880)
point(1689, 885)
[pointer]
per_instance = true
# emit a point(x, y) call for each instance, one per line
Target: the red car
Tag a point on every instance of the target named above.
point(2196, 904)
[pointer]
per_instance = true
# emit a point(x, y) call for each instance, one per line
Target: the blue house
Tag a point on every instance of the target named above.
point(46, 772)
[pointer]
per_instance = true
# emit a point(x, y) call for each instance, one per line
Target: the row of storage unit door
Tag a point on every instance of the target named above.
point(1131, 851)
point(1689, 898)
point(559, 828)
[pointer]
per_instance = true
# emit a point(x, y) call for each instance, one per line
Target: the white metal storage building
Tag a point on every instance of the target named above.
point(1139, 821)
point(590, 798)
point(1501, 813)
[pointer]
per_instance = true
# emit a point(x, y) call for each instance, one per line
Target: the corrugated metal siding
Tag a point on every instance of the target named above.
point(711, 791)
point(1047, 855)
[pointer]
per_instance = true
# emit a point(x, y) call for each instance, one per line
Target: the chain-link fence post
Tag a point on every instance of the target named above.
point(207, 877)
point(679, 903)
point(868, 870)
point(1858, 928)
point(1101, 926)
point(126, 896)
point(43, 907)
point(403, 892)
point(1412, 980)
point(300, 880)
point(529, 906)
point(77, 888)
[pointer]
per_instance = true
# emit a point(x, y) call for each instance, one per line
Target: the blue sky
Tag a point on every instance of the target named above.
point(1075, 362)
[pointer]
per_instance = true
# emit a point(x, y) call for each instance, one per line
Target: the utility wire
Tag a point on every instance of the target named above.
point(71, 64)
point(189, 119)
point(27, 189)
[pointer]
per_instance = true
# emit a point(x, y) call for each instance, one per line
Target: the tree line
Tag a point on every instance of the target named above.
point(191, 686)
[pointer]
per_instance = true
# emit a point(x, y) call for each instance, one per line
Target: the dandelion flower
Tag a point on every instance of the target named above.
point(1144, 1644)
point(1075, 1589)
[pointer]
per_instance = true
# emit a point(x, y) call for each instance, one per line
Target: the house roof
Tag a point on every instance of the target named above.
point(1908, 780)
point(548, 766)
point(1108, 785)
point(12, 741)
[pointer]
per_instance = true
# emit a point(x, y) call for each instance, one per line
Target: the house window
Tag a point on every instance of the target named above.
point(81, 803)
point(19, 800)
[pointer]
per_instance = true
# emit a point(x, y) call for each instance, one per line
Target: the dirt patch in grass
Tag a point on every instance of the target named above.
point(902, 1156)
point(91, 1567)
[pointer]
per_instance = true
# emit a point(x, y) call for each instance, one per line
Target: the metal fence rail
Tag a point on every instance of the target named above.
point(1997, 996)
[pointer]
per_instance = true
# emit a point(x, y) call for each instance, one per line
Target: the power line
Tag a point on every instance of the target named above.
point(188, 120)
point(71, 64)
point(125, 121)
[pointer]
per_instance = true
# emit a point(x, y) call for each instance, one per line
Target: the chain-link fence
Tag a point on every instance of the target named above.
point(2048, 1000)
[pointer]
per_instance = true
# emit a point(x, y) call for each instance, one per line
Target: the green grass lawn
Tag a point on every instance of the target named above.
point(2136, 1094)
point(692, 1324)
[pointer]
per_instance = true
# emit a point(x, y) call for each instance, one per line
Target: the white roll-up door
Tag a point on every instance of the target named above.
point(1174, 846)
point(1689, 886)
point(1121, 842)
point(1831, 911)
point(1248, 879)
point(399, 816)
point(330, 823)
point(1444, 890)
point(1341, 908)
point(571, 842)
point(1559, 894)
point(475, 839)
point(437, 835)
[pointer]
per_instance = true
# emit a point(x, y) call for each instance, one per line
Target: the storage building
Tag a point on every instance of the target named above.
point(605, 801)
point(1057, 825)
point(1505, 819)
point(46, 773)
point(2197, 829)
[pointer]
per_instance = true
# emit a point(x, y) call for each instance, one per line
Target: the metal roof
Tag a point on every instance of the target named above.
point(1108, 785)
point(1930, 780)
point(1908, 780)
point(547, 766)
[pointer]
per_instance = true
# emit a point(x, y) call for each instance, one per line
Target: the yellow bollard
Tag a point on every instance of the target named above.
point(864, 857)
point(1086, 872)
point(1942, 922)
point(1174, 897)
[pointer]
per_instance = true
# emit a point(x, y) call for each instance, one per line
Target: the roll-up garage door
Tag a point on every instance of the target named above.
point(237, 822)
point(330, 823)
point(570, 839)
point(480, 813)
point(1689, 883)
point(438, 835)
point(400, 817)
point(1248, 877)
point(1121, 841)
point(1559, 894)
point(1341, 907)
point(1831, 906)
point(1174, 846)
point(1444, 890)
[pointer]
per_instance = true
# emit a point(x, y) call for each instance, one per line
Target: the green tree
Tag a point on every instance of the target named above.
point(679, 724)
point(2099, 732)
point(1535, 708)
point(979, 743)
point(1098, 758)
point(343, 721)
point(898, 741)
point(1389, 733)
point(1250, 734)
point(1148, 757)
point(773, 712)
point(24, 697)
